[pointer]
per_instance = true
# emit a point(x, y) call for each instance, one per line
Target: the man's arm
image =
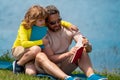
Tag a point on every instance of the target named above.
point(82, 41)
point(56, 58)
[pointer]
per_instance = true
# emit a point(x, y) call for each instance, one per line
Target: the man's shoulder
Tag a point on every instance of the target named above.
point(69, 31)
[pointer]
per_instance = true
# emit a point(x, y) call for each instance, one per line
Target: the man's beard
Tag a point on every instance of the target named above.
point(55, 30)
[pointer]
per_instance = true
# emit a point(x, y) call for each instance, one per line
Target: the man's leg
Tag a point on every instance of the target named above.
point(65, 66)
point(85, 64)
point(48, 66)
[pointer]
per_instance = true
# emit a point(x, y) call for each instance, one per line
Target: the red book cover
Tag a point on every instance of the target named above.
point(77, 55)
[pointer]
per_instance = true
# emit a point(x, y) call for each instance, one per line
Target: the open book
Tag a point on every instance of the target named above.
point(77, 55)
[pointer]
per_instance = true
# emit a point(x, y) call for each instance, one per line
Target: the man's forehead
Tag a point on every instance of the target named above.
point(53, 17)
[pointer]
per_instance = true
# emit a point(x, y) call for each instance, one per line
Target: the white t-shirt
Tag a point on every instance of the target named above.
point(60, 41)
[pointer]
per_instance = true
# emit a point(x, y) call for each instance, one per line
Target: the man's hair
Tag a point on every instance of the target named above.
point(51, 9)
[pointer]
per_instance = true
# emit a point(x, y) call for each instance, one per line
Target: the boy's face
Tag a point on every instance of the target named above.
point(40, 22)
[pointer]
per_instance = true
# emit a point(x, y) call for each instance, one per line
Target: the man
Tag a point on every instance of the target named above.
point(59, 41)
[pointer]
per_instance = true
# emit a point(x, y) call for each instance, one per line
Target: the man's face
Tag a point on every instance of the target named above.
point(54, 22)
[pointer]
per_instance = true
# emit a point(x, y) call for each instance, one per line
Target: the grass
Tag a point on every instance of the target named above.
point(8, 75)
point(111, 76)
point(6, 57)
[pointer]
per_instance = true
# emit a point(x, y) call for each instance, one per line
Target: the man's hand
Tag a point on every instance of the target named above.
point(73, 50)
point(87, 45)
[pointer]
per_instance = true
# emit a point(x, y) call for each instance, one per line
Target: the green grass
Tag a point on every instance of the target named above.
point(111, 76)
point(8, 75)
point(6, 57)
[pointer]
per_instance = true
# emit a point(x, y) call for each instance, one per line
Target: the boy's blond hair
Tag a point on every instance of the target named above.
point(34, 13)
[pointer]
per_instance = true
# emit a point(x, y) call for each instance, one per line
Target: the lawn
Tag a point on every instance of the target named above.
point(8, 75)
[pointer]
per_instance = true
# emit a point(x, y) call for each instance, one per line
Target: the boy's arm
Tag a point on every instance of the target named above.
point(69, 25)
point(23, 34)
point(31, 43)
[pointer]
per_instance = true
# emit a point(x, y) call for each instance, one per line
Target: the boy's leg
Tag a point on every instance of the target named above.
point(23, 56)
point(17, 53)
point(29, 54)
point(17, 68)
point(30, 68)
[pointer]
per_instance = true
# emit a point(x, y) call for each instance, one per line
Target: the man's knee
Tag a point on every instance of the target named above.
point(41, 57)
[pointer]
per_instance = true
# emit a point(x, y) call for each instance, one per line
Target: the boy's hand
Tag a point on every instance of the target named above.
point(45, 41)
point(73, 27)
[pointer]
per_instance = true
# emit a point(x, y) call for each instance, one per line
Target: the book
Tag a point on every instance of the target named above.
point(77, 55)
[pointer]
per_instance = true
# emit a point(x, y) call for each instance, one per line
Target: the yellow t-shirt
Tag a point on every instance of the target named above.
point(23, 36)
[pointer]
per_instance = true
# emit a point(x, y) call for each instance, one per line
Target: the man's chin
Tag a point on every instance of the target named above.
point(55, 29)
